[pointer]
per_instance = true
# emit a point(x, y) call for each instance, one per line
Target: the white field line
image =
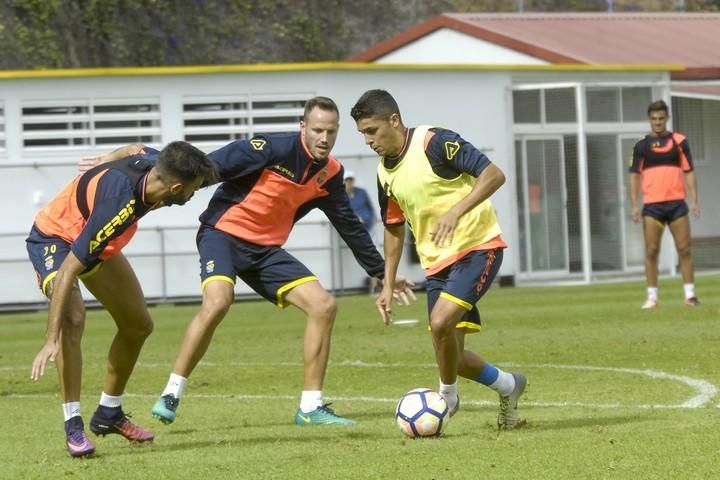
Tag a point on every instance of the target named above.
point(243, 397)
point(704, 390)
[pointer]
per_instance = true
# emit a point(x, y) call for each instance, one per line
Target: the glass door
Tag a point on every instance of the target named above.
point(542, 205)
point(633, 234)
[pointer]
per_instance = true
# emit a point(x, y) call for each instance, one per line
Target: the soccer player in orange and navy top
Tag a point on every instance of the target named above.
point(441, 185)
point(661, 163)
point(80, 235)
point(270, 182)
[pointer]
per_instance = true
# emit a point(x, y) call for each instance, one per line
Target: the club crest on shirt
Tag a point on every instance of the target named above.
point(322, 175)
point(451, 149)
point(49, 262)
point(258, 143)
point(210, 266)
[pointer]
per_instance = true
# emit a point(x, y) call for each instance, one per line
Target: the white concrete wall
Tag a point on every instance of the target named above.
point(476, 103)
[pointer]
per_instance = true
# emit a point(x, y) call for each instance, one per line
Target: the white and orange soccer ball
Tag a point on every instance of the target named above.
point(422, 413)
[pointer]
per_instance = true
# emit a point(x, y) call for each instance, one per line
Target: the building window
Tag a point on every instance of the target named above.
point(617, 104)
point(560, 105)
point(85, 124)
point(603, 104)
point(689, 118)
point(526, 106)
point(210, 122)
point(635, 101)
point(542, 106)
point(120, 124)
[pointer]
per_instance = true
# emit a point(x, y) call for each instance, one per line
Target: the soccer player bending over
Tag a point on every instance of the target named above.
point(441, 184)
point(269, 183)
point(80, 235)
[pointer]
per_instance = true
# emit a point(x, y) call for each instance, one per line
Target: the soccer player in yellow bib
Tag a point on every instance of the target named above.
point(441, 185)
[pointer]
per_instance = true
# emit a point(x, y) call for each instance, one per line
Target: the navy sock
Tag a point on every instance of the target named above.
point(109, 412)
point(74, 424)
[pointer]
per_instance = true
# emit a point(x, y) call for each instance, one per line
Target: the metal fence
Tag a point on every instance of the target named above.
point(168, 272)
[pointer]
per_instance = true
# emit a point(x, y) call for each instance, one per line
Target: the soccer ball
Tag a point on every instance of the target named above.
point(422, 413)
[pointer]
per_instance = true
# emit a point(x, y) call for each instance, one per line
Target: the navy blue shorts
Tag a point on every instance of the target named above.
point(269, 270)
point(47, 254)
point(464, 283)
point(666, 212)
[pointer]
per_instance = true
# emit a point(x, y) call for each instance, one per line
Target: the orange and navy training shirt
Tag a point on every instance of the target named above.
point(661, 162)
point(272, 181)
point(97, 212)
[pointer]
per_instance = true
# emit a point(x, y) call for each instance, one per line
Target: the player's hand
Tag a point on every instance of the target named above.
point(444, 229)
point(86, 163)
point(635, 214)
point(384, 304)
point(695, 210)
point(402, 291)
point(47, 354)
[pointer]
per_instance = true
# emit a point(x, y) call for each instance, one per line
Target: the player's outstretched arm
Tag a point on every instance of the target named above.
point(394, 238)
point(86, 163)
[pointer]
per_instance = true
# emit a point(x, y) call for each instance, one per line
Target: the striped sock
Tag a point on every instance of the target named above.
point(70, 410)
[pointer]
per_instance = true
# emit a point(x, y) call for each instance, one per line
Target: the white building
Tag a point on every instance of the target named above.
point(581, 135)
point(556, 100)
point(541, 124)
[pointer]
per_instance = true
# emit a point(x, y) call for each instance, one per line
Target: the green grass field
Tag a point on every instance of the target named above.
point(614, 392)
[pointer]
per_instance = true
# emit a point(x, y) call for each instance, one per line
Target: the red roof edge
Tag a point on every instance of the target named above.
point(445, 21)
point(399, 40)
point(697, 73)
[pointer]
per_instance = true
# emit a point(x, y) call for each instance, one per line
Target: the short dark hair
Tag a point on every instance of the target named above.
point(323, 103)
point(658, 106)
point(182, 161)
point(375, 103)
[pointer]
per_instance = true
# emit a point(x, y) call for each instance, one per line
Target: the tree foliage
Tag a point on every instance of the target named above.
point(37, 34)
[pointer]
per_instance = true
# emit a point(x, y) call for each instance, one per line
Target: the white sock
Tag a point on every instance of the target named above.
point(652, 292)
point(310, 400)
point(71, 409)
point(175, 385)
point(689, 290)
point(449, 393)
point(110, 401)
point(504, 384)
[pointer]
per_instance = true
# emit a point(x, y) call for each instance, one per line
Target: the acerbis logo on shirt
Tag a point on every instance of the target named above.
point(118, 220)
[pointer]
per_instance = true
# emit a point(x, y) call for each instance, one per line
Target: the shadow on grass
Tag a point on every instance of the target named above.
point(329, 435)
point(585, 422)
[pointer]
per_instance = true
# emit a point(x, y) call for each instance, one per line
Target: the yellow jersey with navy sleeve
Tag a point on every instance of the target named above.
point(434, 171)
